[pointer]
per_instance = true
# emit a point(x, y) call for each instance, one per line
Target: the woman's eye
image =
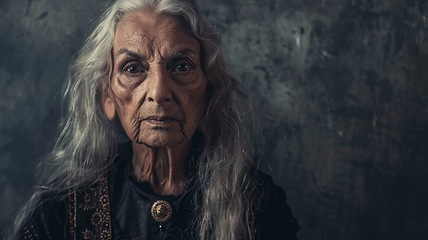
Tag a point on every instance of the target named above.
point(133, 69)
point(182, 67)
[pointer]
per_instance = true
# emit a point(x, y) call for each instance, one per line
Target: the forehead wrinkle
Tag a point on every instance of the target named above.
point(165, 50)
point(133, 47)
point(125, 51)
point(179, 43)
point(154, 35)
point(133, 36)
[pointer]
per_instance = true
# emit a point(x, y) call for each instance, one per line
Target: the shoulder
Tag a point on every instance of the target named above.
point(48, 220)
point(273, 216)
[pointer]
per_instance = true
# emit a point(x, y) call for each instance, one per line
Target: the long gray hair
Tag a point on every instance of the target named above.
point(85, 148)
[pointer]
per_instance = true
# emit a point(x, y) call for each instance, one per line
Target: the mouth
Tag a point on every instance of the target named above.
point(159, 120)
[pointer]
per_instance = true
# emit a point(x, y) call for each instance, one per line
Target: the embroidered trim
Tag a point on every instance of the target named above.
point(72, 215)
point(105, 226)
point(30, 233)
point(93, 213)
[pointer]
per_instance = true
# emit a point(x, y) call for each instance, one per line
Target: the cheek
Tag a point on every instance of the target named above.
point(129, 119)
point(194, 109)
point(123, 91)
point(127, 107)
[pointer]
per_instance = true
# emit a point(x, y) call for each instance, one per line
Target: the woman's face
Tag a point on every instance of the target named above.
point(157, 86)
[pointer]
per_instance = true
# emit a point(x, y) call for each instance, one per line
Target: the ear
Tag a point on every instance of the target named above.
point(107, 97)
point(108, 105)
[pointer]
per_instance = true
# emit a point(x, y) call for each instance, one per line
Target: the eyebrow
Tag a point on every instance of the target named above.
point(183, 52)
point(180, 53)
point(131, 53)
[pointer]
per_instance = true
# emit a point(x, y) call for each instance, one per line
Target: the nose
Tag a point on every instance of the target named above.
point(159, 86)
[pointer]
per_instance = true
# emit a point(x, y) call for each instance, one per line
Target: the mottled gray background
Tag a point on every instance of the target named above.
point(341, 86)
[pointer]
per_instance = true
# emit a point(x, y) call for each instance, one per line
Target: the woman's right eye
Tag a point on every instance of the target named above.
point(133, 69)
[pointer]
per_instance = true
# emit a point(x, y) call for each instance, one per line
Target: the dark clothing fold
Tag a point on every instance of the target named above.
point(119, 207)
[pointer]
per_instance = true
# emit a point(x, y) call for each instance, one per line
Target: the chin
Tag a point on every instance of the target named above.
point(160, 141)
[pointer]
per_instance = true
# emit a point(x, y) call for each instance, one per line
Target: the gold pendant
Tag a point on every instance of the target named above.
point(161, 211)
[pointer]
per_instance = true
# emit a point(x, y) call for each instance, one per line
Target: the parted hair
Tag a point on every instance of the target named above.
point(224, 170)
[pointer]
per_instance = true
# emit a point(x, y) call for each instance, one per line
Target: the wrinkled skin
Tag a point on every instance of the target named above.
point(157, 91)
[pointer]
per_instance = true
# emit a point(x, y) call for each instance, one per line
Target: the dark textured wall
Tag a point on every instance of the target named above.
point(341, 86)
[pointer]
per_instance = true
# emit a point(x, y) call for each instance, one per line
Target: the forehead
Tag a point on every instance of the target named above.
point(145, 30)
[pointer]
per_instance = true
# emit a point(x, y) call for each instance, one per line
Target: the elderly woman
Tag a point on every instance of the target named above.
point(157, 140)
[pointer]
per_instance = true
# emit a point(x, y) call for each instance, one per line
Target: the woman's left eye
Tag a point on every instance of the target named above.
point(182, 67)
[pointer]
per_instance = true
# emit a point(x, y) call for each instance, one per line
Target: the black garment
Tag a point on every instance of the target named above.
point(131, 203)
point(128, 215)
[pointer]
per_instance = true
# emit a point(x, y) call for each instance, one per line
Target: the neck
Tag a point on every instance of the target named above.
point(163, 167)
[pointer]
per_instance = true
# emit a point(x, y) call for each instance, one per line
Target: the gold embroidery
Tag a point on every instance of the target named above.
point(93, 213)
point(87, 234)
point(96, 219)
point(105, 234)
point(30, 234)
point(87, 202)
point(105, 227)
point(72, 214)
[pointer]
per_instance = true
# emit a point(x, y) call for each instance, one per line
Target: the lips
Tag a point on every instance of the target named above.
point(160, 119)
